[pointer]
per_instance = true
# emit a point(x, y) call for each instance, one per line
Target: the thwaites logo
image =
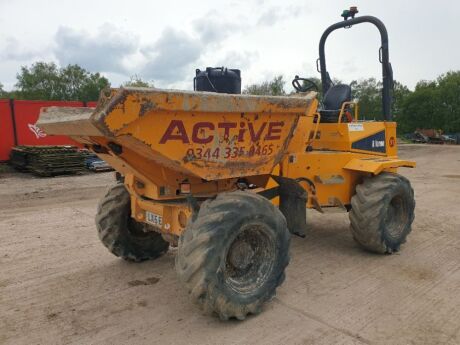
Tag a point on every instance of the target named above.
point(205, 132)
point(375, 143)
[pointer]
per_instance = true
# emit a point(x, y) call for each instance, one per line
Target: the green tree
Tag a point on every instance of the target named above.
point(400, 93)
point(274, 87)
point(137, 81)
point(46, 81)
point(3, 93)
point(433, 104)
point(78, 84)
point(368, 94)
point(448, 93)
point(40, 81)
point(420, 108)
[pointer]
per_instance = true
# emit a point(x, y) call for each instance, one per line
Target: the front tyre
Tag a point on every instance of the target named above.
point(382, 212)
point(232, 257)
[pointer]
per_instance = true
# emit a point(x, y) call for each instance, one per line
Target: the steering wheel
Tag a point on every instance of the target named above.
point(305, 86)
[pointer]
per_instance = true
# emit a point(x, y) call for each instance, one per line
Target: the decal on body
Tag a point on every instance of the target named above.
point(374, 143)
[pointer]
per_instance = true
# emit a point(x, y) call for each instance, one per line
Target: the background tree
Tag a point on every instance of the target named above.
point(448, 95)
point(400, 92)
point(274, 87)
point(137, 81)
point(46, 81)
point(433, 104)
point(3, 93)
point(78, 84)
point(368, 93)
point(40, 81)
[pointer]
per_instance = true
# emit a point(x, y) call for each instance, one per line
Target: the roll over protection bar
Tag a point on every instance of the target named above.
point(387, 71)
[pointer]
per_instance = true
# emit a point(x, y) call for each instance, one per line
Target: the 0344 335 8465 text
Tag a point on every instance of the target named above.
point(205, 133)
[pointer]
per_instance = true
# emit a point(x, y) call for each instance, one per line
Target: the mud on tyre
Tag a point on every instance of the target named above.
point(382, 212)
point(232, 257)
point(121, 234)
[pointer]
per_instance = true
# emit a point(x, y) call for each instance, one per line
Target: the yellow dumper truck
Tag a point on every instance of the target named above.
point(227, 178)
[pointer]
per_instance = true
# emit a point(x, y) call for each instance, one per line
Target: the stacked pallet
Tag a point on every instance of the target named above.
point(48, 160)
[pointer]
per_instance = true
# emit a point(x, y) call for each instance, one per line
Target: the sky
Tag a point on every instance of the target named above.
point(165, 41)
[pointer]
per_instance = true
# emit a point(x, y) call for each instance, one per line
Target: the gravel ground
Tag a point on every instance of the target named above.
point(59, 285)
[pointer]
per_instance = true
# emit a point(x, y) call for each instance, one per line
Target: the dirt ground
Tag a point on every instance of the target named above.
point(59, 285)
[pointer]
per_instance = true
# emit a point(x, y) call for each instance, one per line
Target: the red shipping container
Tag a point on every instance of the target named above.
point(26, 115)
point(6, 130)
point(91, 104)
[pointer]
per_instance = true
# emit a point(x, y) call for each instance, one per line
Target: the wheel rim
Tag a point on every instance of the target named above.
point(250, 259)
point(396, 217)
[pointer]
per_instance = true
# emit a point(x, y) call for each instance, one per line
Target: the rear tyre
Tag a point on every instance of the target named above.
point(121, 234)
point(382, 212)
point(232, 257)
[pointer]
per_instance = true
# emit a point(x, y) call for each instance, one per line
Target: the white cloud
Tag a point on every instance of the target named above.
point(262, 38)
point(273, 15)
point(103, 51)
point(171, 55)
point(13, 50)
point(212, 28)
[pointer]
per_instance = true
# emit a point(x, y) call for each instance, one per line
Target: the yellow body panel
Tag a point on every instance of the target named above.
point(341, 136)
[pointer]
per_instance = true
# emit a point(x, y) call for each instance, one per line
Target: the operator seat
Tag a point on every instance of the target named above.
point(332, 103)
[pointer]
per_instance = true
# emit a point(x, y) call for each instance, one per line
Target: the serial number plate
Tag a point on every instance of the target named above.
point(355, 127)
point(154, 219)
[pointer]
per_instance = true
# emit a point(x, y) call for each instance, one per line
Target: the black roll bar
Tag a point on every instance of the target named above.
point(387, 71)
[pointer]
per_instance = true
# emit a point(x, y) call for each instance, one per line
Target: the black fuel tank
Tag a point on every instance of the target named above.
point(218, 79)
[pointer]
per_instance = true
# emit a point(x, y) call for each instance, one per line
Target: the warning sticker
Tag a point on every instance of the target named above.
point(355, 127)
